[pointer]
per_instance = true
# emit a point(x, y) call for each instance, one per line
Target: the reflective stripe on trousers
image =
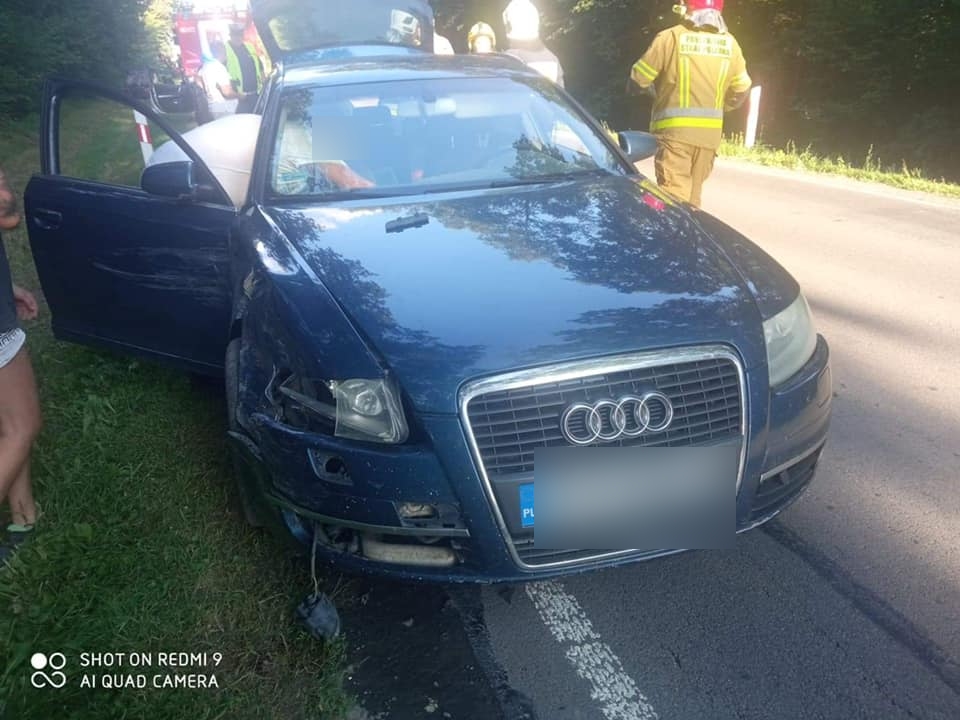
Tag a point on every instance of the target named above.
point(711, 118)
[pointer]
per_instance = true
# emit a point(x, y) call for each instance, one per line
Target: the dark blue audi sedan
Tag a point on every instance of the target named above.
point(414, 272)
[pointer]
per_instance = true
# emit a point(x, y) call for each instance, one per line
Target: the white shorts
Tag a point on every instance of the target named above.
point(10, 344)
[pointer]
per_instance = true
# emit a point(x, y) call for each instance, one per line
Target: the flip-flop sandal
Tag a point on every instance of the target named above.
point(17, 535)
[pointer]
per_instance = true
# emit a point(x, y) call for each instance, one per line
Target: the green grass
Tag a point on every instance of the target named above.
point(871, 170)
point(139, 550)
point(104, 137)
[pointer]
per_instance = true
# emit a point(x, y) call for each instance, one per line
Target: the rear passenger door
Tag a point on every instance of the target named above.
point(120, 268)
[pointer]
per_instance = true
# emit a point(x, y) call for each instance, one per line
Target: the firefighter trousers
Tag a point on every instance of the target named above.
point(682, 168)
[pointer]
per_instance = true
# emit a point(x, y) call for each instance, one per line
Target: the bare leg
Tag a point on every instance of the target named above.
point(19, 425)
point(23, 508)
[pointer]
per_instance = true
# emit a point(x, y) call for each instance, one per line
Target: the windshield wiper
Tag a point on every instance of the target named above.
point(387, 192)
point(547, 179)
point(359, 194)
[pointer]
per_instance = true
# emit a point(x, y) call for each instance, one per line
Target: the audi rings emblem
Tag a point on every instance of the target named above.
point(608, 420)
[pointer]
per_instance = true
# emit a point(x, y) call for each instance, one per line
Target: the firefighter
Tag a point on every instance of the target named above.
point(245, 68)
point(481, 39)
point(696, 71)
point(522, 22)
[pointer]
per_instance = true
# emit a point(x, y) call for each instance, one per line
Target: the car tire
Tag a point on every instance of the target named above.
point(241, 490)
point(231, 374)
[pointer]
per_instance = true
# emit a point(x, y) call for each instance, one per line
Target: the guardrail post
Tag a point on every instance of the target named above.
point(143, 135)
point(753, 118)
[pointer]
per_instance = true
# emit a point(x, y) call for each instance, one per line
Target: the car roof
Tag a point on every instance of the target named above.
point(364, 64)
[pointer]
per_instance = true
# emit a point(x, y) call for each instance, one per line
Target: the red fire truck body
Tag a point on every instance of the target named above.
point(196, 30)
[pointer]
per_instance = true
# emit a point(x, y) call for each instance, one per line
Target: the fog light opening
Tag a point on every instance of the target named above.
point(330, 468)
point(335, 466)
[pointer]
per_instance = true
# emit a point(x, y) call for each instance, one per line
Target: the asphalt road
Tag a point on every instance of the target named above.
point(848, 606)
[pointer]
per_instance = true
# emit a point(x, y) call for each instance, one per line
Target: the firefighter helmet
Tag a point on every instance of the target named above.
point(481, 30)
point(522, 20)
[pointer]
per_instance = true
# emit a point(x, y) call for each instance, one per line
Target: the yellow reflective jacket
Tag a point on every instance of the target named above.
point(233, 66)
point(692, 72)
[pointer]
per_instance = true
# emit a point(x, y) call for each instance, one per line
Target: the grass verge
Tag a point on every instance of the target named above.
point(871, 170)
point(138, 550)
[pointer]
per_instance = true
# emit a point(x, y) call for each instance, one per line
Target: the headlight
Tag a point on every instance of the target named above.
point(791, 341)
point(367, 410)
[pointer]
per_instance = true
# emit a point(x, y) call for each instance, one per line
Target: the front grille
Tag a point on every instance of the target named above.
point(509, 420)
point(510, 425)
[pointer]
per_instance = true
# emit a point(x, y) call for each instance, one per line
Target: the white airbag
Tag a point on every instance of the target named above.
point(226, 146)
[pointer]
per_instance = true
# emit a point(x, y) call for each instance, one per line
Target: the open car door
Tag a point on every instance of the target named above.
point(293, 26)
point(145, 273)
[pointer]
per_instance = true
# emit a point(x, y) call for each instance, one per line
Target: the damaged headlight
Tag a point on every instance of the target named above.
point(791, 341)
point(368, 410)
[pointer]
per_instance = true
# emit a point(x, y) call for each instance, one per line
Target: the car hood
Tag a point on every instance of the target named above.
point(454, 286)
point(290, 27)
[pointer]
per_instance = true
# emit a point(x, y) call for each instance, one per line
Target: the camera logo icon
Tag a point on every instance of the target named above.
point(41, 663)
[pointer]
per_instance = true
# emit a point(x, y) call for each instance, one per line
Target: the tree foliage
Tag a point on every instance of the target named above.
point(843, 76)
point(847, 76)
point(92, 39)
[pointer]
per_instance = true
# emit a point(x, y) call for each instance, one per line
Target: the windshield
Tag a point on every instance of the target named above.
point(428, 135)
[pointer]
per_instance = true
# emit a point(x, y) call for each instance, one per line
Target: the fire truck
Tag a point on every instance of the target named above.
point(197, 25)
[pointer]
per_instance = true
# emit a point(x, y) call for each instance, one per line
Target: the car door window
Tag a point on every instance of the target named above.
point(102, 141)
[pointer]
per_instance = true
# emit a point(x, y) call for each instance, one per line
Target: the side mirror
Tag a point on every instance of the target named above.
point(171, 180)
point(637, 145)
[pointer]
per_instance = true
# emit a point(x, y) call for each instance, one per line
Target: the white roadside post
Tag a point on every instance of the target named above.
point(143, 134)
point(753, 118)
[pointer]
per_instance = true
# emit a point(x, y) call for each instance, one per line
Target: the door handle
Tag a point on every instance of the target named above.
point(47, 219)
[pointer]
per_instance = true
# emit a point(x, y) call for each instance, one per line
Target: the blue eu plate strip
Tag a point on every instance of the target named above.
point(526, 505)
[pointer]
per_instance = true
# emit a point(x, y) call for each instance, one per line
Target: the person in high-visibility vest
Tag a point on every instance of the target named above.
point(246, 69)
point(221, 96)
point(696, 71)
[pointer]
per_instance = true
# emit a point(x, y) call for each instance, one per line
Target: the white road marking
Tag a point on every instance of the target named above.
point(594, 661)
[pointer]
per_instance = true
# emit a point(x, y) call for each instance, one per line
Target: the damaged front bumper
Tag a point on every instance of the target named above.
point(418, 511)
